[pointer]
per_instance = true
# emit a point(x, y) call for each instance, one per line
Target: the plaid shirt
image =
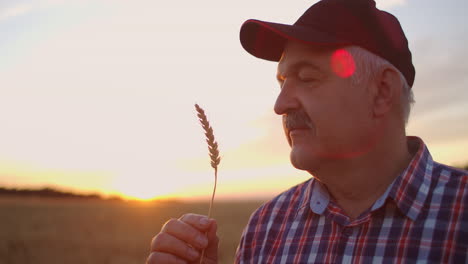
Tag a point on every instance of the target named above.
point(422, 217)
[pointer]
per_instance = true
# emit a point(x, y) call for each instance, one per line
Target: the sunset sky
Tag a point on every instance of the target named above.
point(98, 95)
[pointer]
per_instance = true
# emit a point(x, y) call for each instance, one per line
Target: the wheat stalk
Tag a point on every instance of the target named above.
point(214, 155)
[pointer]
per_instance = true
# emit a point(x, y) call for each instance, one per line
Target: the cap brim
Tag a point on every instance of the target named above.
point(267, 40)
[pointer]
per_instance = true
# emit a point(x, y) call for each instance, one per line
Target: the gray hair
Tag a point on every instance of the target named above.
point(367, 66)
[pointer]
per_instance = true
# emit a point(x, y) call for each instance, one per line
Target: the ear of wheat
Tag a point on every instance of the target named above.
point(210, 139)
point(213, 152)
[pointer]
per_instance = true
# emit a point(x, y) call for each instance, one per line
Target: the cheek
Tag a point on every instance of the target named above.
point(353, 106)
point(337, 109)
point(342, 122)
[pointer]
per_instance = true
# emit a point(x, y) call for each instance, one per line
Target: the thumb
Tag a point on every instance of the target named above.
point(211, 251)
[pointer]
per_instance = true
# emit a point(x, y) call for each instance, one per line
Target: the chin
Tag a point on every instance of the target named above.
point(303, 160)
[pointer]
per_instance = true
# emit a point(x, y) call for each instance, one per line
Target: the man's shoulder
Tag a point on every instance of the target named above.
point(451, 176)
point(288, 201)
point(449, 189)
point(270, 217)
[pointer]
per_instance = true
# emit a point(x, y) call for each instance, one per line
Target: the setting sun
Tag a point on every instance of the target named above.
point(97, 96)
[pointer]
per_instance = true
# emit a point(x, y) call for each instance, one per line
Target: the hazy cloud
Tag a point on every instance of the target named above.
point(15, 10)
point(441, 78)
point(387, 4)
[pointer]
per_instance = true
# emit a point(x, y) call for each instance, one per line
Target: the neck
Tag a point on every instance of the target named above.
point(357, 183)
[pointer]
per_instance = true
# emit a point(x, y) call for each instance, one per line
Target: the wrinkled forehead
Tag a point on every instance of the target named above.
point(295, 53)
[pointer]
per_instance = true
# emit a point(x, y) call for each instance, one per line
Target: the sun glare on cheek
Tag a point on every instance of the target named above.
point(342, 63)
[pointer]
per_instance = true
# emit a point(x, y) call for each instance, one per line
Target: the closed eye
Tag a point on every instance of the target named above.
point(308, 79)
point(307, 76)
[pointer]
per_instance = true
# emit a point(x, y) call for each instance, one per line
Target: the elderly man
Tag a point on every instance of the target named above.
point(345, 73)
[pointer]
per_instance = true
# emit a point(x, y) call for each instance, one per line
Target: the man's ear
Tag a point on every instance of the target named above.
point(387, 92)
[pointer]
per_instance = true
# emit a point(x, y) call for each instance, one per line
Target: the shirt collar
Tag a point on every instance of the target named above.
point(409, 190)
point(319, 198)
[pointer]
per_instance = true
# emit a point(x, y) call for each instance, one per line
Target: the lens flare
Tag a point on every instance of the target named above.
point(342, 63)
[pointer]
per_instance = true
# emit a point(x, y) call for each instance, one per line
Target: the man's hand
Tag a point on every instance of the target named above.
point(182, 241)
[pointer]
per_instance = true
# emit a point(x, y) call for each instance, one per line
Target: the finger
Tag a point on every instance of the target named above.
point(213, 229)
point(199, 222)
point(166, 243)
point(186, 233)
point(211, 251)
point(164, 258)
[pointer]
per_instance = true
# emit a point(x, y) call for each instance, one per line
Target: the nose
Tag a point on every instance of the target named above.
point(287, 99)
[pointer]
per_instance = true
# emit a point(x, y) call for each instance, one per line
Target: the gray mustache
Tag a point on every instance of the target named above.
point(297, 120)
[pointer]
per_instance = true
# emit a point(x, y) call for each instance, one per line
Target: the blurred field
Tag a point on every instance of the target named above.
point(70, 231)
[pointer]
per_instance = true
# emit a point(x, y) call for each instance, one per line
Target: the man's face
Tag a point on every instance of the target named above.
point(325, 117)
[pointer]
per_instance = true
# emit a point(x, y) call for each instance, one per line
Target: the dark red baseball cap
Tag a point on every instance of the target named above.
point(334, 22)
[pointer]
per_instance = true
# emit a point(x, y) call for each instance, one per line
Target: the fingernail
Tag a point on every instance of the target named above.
point(204, 221)
point(193, 253)
point(202, 241)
